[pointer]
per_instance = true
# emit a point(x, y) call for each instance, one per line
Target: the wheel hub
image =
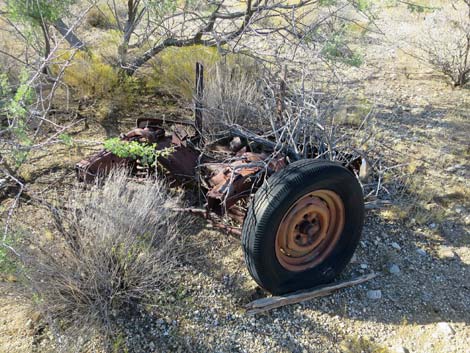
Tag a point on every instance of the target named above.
point(309, 230)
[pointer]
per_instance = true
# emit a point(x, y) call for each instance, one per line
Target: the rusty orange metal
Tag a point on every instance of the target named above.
point(309, 230)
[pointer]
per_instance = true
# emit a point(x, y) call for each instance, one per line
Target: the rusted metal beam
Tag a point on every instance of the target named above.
point(198, 106)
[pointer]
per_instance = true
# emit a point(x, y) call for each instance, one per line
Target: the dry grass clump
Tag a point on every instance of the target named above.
point(173, 70)
point(114, 250)
point(355, 344)
point(233, 95)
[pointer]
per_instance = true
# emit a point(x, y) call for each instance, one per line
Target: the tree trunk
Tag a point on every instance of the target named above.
point(47, 47)
point(69, 36)
point(149, 54)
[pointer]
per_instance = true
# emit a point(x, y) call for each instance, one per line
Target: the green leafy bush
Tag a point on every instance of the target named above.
point(90, 76)
point(145, 152)
point(15, 106)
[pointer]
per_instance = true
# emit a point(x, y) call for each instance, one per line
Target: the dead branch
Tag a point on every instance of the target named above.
point(239, 131)
point(266, 304)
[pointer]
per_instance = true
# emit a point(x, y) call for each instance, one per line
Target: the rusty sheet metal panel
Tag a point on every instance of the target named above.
point(181, 163)
point(99, 165)
point(235, 180)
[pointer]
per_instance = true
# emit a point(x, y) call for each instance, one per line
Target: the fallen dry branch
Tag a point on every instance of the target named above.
point(377, 204)
point(239, 131)
point(266, 304)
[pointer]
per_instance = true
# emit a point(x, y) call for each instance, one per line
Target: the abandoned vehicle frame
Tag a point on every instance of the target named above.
point(301, 217)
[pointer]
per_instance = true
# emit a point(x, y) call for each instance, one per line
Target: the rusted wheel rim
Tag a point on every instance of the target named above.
point(309, 230)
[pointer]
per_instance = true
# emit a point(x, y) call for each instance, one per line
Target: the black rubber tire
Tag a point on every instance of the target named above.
point(270, 203)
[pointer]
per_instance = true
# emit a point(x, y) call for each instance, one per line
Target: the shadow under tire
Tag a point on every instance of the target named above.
point(303, 226)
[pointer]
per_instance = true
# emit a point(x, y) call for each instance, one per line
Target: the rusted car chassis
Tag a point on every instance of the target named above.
point(228, 171)
point(301, 217)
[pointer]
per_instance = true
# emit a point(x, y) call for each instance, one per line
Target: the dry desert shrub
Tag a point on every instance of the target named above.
point(114, 250)
point(445, 41)
point(172, 72)
point(233, 95)
point(100, 17)
point(295, 114)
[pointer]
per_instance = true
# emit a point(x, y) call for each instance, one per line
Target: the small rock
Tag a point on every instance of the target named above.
point(35, 317)
point(11, 278)
point(419, 111)
point(453, 168)
point(29, 324)
point(364, 266)
point(445, 328)
point(421, 252)
point(459, 210)
point(400, 350)
point(446, 252)
point(364, 170)
point(394, 269)
point(396, 246)
point(374, 294)
point(432, 226)
point(426, 297)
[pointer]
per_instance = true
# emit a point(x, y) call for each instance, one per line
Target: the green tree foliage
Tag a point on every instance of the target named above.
point(37, 11)
point(14, 106)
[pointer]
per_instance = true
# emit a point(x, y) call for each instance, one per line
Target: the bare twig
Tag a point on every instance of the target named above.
point(266, 304)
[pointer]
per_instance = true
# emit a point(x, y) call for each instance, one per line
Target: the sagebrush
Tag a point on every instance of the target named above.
point(445, 42)
point(114, 250)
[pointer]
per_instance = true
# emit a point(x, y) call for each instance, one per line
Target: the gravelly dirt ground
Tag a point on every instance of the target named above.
point(424, 306)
